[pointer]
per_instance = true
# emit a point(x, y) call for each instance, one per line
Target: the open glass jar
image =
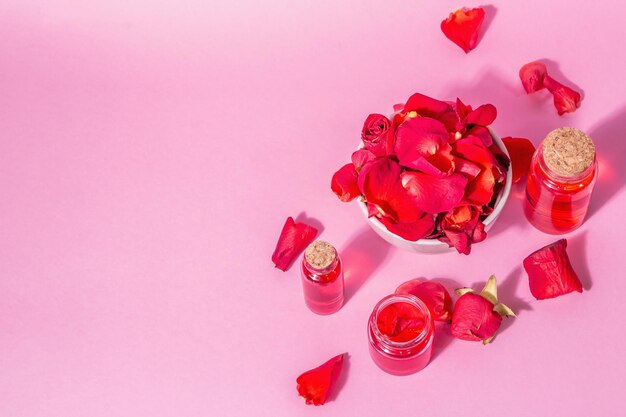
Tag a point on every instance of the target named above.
point(400, 332)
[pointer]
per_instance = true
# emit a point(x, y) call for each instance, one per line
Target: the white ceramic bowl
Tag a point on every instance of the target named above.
point(434, 245)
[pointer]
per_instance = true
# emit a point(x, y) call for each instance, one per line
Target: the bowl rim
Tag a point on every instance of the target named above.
point(497, 208)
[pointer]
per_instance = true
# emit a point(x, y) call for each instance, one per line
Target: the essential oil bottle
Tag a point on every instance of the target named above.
point(322, 278)
point(561, 178)
point(400, 332)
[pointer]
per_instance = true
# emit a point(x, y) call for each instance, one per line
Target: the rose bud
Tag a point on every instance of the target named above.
point(478, 316)
point(550, 273)
point(377, 135)
point(314, 385)
point(433, 294)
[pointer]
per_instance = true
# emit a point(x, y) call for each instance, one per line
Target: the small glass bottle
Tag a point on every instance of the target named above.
point(404, 351)
point(322, 278)
point(562, 175)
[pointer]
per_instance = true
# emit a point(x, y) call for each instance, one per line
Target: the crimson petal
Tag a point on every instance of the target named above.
point(422, 144)
point(550, 273)
point(294, 238)
point(434, 194)
point(566, 100)
point(521, 152)
point(361, 157)
point(473, 318)
point(314, 385)
point(379, 182)
point(345, 183)
point(532, 76)
point(433, 294)
point(412, 231)
point(462, 27)
point(462, 227)
point(426, 106)
point(484, 115)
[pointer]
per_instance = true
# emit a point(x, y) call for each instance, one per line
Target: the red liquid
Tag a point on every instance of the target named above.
point(323, 290)
point(400, 333)
point(555, 204)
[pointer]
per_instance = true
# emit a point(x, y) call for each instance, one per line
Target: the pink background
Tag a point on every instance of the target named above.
point(151, 151)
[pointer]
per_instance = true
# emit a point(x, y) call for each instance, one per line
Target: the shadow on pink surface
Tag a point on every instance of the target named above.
point(608, 136)
point(490, 14)
point(508, 290)
point(311, 221)
point(577, 253)
point(341, 381)
point(364, 253)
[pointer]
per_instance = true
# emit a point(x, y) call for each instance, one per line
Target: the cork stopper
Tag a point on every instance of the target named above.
point(568, 152)
point(320, 254)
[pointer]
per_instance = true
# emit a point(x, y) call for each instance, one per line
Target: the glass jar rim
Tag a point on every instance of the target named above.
point(400, 298)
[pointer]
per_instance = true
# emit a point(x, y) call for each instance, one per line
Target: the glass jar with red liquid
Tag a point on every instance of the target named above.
point(322, 278)
point(400, 332)
point(561, 178)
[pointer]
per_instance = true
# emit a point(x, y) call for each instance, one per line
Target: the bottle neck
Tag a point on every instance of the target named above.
point(571, 179)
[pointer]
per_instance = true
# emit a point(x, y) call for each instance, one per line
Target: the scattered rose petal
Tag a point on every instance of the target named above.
point(361, 157)
point(550, 273)
point(315, 385)
point(521, 152)
point(462, 27)
point(294, 238)
point(379, 182)
point(434, 194)
point(477, 317)
point(345, 183)
point(412, 231)
point(566, 100)
point(433, 294)
point(378, 135)
point(532, 76)
point(462, 227)
point(535, 77)
point(422, 144)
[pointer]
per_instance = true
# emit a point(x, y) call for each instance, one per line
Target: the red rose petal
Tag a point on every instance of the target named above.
point(433, 294)
point(422, 144)
point(412, 231)
point(532, 76)
point(521, 152)
point(566, 100)
point(462, 27)
point(425, 106)
point(377, 135)
point(484, 115)
point(379, 182)
point(479, 191)
point(482, 133)
point(345, 183)
point(434, 194)
point(550, 273)
point(315, 385)
point(467, 168)
point(294, 238)
point(361, 157)
point(474, 319)
point(462, 227)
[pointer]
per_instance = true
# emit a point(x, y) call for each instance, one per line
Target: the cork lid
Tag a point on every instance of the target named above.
point(320, 254)
point(568, 151)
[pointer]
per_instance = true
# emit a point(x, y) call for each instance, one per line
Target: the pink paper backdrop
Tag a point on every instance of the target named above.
point(151, 151)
